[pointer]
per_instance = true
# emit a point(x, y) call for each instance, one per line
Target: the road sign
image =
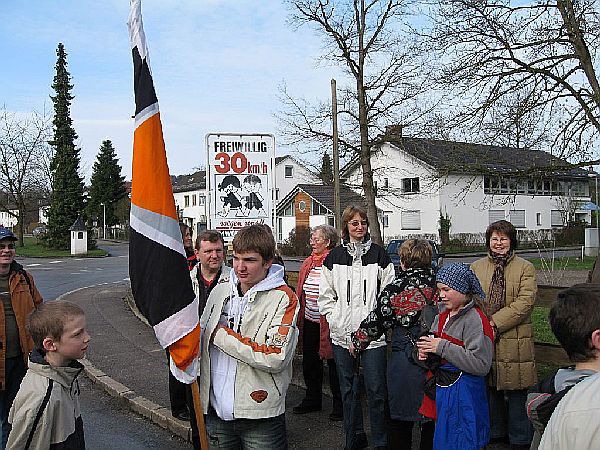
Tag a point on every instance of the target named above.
point(241, 181)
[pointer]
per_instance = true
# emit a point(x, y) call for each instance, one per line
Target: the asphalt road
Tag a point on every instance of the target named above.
point(108, 424)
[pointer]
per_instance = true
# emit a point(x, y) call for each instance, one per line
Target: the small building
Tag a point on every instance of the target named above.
point(290, 172)
point(189, 192)
point(309, 205)
point(79, 242)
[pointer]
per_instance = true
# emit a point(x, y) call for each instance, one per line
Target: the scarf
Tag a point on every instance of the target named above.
point(357, 249)
point(497, 295)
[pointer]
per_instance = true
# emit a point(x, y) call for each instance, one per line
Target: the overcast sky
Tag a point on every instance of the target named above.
point(217, 65)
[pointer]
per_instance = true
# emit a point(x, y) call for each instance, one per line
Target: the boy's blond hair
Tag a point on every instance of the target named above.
point(415, 253)
point(49, 320)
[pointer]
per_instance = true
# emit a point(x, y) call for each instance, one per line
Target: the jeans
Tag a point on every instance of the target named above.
point(373, 363)
point(508, 415)
point(312, 368)
point(246, 434)
point(14, 371)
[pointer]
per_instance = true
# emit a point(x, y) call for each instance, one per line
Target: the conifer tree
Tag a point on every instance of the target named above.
point(107, 185)
point(67, 201)
point(326, 173)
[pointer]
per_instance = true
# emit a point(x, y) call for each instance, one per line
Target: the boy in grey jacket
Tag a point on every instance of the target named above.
point(45, 413)
point(575, 319)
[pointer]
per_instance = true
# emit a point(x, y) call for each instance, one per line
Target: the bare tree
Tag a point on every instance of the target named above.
point(23, 151)
point(544, 52)
point(368, 39)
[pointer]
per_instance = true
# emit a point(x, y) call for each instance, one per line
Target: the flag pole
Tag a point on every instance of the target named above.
point(198, 412)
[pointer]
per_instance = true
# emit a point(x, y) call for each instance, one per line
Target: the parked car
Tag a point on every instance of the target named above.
point(38, 231)
point(437, 257)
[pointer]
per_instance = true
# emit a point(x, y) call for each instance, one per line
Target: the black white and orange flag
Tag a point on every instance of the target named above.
point(160, 279)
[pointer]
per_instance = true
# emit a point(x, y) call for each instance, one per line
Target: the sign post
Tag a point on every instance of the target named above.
point(240, 181)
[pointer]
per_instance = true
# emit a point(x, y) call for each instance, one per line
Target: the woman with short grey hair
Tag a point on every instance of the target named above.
point(314, 330)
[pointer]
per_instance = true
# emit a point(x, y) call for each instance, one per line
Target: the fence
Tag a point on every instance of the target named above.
point(545, 353)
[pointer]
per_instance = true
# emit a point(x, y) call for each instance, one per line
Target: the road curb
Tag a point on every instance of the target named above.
point(157, 414)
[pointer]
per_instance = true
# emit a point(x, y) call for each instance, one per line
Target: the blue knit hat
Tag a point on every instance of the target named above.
point(461, 278)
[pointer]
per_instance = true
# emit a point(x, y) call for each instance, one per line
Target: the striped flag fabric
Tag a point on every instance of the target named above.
point(160, 279)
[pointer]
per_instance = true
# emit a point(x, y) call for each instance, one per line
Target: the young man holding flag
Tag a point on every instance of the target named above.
point(248, 340)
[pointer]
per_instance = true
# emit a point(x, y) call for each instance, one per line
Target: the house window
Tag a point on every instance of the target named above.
point(517, 218)
point(331, 221)
point(302, 206)
point(410, 185)
point(194, 200)
point(186, 201)
point(289, 171)
point(386, 219)
point(201, 200)
point(386, 183)
point(556, 218)
point(317, 209)
point(411, 220)
point(279, 229)
point(289, 210)
point(277, 194)
point(495, 215)
point(538, 219)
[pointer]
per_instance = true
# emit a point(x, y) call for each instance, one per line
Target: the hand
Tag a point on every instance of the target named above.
point(428, 344)
point(494, 330)
point(352, 350)
point(212, 336)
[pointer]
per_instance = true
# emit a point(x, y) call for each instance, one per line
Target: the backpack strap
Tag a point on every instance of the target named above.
point(38, 416)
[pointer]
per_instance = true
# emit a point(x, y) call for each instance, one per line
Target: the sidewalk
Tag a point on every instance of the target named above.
point(125, 359)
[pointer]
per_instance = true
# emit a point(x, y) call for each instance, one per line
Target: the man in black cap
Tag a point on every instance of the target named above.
point(19, 297)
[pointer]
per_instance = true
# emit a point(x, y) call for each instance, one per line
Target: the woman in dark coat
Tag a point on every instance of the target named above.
point(408, 306)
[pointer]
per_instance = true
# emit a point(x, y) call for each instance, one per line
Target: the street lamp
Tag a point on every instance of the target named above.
point(103, 220)
point(595, 175)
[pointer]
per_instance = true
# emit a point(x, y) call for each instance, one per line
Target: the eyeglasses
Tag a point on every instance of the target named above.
point(10, 246)
point(356, 223)
point(501, 240)
point(315, 240)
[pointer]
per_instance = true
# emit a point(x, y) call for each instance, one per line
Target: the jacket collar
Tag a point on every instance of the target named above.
point(65, 375)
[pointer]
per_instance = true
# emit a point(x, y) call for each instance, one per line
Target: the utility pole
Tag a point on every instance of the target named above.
point(336, 158)
point(103, 220)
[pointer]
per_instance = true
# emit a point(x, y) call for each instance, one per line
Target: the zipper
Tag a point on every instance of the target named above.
point(365, 292)
point(259, 325)
point(348, 293)
point(275, 384)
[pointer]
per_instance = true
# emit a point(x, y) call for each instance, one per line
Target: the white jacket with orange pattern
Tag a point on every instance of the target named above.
point(249, 362)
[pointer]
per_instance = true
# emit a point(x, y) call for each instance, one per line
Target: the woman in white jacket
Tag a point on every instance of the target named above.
point(353, 275)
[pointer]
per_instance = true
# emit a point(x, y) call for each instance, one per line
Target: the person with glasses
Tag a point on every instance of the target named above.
point(314, 332)
point(353, 275)
point(19, 297)
point(510, 285)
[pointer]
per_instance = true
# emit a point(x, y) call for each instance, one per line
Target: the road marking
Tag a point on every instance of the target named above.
point(123, 256)
point(99, 268)
point(33, 265)
point(126, 279)
point(76, 273)
point(54, 262)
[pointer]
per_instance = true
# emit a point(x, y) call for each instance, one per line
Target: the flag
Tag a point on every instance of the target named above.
point(160, 279)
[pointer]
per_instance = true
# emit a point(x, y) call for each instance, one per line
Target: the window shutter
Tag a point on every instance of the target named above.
point(517, 218)
point(411, 220)
point(495, 215)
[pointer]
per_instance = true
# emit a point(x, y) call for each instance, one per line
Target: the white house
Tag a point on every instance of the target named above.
point(288, 173)
point(189, 192)
point(471, 184)
point(8, 220)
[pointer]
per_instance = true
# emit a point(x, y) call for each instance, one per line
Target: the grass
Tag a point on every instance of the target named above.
point(541, 327)
point(33, 248)
point(564, 263)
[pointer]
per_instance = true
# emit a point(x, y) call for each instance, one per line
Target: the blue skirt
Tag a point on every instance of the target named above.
point(463, 421)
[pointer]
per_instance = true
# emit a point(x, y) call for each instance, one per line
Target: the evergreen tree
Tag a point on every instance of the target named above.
point(67, 201)
point(326, 173)
point(107, 185)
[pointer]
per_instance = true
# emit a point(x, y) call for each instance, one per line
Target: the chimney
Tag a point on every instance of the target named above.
point(394, 131)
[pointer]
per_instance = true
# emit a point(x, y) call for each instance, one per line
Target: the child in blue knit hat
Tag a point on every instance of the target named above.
point(463, 338)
